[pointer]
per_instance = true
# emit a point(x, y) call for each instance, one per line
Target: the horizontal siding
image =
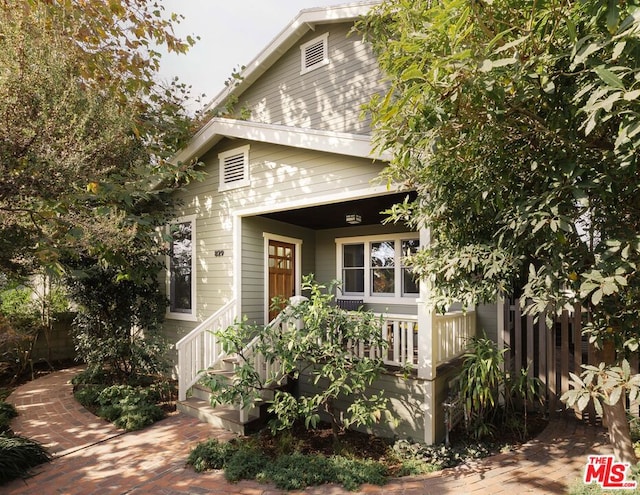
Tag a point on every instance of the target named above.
point(279, 175)
point(329, 98)
point(406, 400)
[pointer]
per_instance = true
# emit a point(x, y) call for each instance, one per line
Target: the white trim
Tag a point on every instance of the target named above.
point(246, 178)
point(341, 143)
point(367, 296)
point(192, 315)
point(324, 39)
point(298, 266)
point(276, 204)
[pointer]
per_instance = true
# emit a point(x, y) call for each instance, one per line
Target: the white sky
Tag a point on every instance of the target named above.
point(232, 33)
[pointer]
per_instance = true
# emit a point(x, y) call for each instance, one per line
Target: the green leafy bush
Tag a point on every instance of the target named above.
point(317, 349)
point(87, 395)
point(245, 464)
point(18, 455)
point(128, 407)
point(211, 454)
point(245, 460)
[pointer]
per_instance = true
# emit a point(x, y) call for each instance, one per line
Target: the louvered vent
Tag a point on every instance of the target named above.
point(234, 168)
point(314, 54)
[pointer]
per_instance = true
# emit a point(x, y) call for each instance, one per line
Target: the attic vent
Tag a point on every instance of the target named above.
point(315, 53)
point(234, 168)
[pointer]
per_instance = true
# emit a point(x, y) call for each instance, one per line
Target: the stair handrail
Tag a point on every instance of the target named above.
point(200, 349)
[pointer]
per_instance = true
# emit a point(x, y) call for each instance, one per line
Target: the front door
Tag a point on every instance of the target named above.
point(281, 273)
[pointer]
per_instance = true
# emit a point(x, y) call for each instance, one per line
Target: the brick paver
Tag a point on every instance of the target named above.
point(91, 456)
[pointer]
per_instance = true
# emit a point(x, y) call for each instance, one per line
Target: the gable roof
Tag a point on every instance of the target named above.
point(332, 142)
point(305, 21)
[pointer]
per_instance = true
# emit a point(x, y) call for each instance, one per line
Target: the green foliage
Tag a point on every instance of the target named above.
point(7, 413)
point(518, 128)
point(211, 454)
point(118, 325)
point(311, 339)
point(292, 471)
point(87, 132)
point(128, 407)
point(18, 455)
point(602, 385)
point(490, 394)
point(245, 464)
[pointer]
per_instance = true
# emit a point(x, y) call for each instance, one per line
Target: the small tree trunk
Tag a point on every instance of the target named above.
point(615, 417)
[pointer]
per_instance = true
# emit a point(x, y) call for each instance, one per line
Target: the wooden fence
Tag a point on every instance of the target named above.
point(549, 352)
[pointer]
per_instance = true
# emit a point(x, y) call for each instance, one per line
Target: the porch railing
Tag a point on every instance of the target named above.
point(200, 349)
point(451, 332)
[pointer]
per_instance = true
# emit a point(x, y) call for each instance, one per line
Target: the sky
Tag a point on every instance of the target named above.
point(232, 33)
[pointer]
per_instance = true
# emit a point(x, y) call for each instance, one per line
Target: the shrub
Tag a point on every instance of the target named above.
point(211, 454)
point(118, 326)
point(245, 464)
point(297, 471)
point(319, 349)
point(128, 407)
point(18, 455)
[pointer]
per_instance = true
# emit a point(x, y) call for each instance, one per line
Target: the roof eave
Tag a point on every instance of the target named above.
point(356, 145)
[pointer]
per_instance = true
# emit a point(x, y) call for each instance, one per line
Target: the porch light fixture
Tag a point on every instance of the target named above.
point(353, 219)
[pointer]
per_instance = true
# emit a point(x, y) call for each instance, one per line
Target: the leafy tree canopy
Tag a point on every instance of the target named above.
point(87, 132)
point(517, 123)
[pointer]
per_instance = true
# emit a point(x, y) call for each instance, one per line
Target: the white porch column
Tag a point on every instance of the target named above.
point(426, 355)
point(427, 351)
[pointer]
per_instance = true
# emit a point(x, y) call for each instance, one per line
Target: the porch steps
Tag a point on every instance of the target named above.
point(222, 416)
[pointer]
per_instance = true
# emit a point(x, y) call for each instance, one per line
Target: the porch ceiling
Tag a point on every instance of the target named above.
point(333, 215)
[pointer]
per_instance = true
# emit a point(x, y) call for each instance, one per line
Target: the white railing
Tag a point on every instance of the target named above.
point(200, 348)
point(452, 332)
point(401, 334)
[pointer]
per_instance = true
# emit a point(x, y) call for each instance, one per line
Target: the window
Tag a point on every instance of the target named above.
point(375, 268)
point(181, 267)
point(234, 168)
point(315, 53)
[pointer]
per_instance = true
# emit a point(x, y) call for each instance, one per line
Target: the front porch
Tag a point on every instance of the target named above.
point(416, 397)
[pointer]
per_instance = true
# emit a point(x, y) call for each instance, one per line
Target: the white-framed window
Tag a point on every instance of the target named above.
point(181, 268)
point(373, 268)
point(234, 168)
point(314, 53)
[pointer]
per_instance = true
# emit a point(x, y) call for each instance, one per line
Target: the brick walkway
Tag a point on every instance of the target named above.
point(94, 457)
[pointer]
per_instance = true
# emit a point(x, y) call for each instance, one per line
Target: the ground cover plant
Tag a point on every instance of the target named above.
point(17, 454)
point(130, 406)
point(299, 457)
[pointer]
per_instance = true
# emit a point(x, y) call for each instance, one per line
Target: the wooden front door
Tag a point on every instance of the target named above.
point(282, 273)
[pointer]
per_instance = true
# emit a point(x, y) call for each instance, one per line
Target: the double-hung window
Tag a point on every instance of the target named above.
point(181, 268)
point(374, 268)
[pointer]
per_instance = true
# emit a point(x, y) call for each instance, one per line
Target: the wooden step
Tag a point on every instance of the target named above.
point(225, 417)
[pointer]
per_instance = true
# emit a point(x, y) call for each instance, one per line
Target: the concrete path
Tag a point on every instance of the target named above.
point(94, 457)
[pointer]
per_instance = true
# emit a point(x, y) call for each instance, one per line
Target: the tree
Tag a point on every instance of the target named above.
point(517, 124)
point(87, 132)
